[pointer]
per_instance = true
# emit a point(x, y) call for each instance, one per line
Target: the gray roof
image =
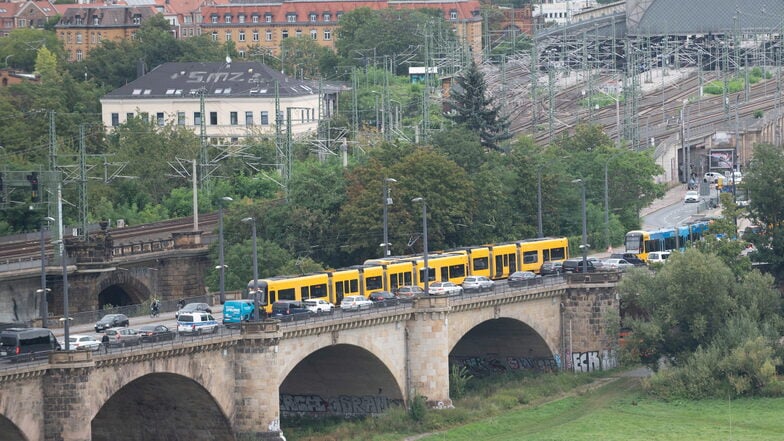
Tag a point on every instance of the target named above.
point(186, 80)
point(682, 17)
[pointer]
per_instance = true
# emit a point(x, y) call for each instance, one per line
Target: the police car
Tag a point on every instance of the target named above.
point(196, 323)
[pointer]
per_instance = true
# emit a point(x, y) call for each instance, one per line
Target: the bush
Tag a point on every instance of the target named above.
point(458, 379)
point(418, 408)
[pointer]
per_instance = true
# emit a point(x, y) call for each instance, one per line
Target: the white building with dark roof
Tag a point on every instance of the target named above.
point(239, 99)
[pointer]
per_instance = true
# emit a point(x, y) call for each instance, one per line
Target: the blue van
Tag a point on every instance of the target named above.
point(236, 311)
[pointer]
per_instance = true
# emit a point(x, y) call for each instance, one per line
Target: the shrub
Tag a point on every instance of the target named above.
point(418, 408)
point(758, 113)
point(458, 379)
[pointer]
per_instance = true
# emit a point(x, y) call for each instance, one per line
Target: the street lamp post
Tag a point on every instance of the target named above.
point(66, 319)
point(539, 230)
point(424, 245)
point(44, 304)
point(584, 244)
point(252, 222)
point(607, 200)
point(221, 265)
point(387, 201)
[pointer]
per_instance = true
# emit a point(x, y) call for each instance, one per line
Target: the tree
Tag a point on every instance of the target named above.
point(766, 207)
point(302, 57)
point(46, 66)
point(473, 108)
point(20, 47)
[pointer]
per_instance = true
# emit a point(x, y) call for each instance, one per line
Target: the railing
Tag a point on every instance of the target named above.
point(133, 248)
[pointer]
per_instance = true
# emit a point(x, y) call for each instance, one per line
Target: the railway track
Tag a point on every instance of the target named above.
point(31, 249)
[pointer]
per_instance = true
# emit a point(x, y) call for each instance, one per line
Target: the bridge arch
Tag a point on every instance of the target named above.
point(161, 406)
point(124, 287)
point(184, 381)
point(10, 431)
point(510, 336)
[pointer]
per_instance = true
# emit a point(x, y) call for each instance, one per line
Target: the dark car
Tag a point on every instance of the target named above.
point(551, 268)
point(408, 292)
point(153, 333)
point(384, 298)
point(194, 307)
point(629, 257)
point(19, 344)
point(287, 310)
point(111, 321)
point(576, 266)
point(522, 278)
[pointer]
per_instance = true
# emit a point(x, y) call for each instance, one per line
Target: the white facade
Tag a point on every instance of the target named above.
point(561, 12)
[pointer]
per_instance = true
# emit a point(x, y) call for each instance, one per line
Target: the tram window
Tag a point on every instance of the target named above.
point(373, 283)
point(287, 294)
point(557, 253)
point(304, 292)
point(545, 255)
point(353, 286)
point(457, 271)
point(407, 279)
point(530, 257)
point(430, 274)
point(317, 291)
point(481, 263)
point(512, 263)
point(272, 297)
point(444, 273)
point(339, 289)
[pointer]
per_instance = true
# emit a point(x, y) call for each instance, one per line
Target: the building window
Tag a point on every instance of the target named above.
point(268, 18)
point(242, 36)
point(196, 118)
point(188, 19)
point(291, 18)
point(268, 35)
point(115, 119)
point(213, 118)
point(214, 18)
point(160, 119)
point(242, 54)
point(255, 35)
point(327, 16)
point(128, 116)
point(233, 118)
point(214, 36)
point(327, 34)
point(264, 118)
point(338, 15)
point(180, 118)
point(78, 38)
point(78, 55)
point(137, 19)
point(312, 16)
point(242, 18)
point(93, 37)
point(96, 20)
point(298, 33)
point(78, 20)
point(228, 35)
point(453, 15)
point(227, 19)
point(254, 18)
point(313, 34)
point(248, 118)
point(284, 34)
point(145, 116)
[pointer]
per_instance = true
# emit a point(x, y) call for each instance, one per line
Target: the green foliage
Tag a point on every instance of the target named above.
point(20, 47)
point(459, 377)
point(766, 208)
point(418, 408)
point(473, 108)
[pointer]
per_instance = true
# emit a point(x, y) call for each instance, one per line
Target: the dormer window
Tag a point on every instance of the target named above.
point(327, 16)
point(227, 19)
point(313, 16)
point(214, 18)
point(291, 18)
point(96, 20)
point(137, 19)
point(242, 18)
point(78, 20)
point(268, 18)
point(453, 15)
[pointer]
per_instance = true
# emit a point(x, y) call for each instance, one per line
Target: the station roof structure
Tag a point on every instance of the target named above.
point(678, 17)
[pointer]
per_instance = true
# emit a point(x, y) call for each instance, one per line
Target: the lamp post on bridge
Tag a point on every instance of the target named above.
point(252, 222)
point(424, 245)
point(584, 244)
point(221, 264)
point(44, 305)
point(387, 201)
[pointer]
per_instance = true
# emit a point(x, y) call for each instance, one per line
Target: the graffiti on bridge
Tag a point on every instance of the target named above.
point(479, 366)
point(591, 361)
point(343, 405)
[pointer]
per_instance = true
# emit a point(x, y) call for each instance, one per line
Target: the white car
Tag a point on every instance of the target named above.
point(355, 303)
point(478, 284)
point(444, 289)
point(713, 177)
point(691, 196)
point(318, 306)
point(658, 257)
point(736, 177)
point(83, 342)
point(196, 323)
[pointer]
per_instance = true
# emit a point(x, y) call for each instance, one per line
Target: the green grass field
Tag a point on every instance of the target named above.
point(563, 408)
point(619, 411)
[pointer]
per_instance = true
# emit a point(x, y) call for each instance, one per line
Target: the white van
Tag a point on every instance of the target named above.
point(196, 323)
point(658, 257)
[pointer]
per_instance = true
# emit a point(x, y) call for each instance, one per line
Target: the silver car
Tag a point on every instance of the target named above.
point(477, 284)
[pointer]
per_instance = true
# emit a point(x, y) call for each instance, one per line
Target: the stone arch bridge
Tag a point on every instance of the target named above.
point(238, 386)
